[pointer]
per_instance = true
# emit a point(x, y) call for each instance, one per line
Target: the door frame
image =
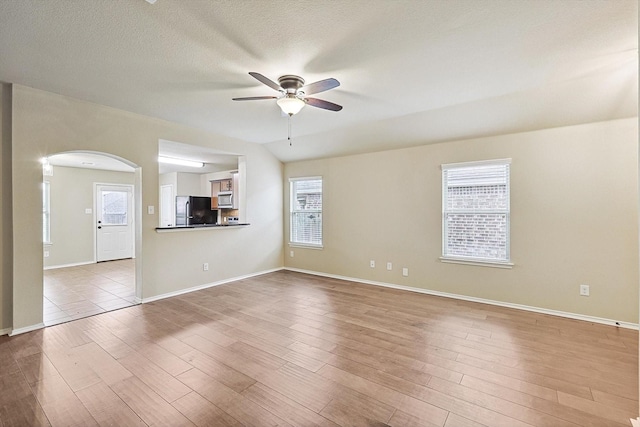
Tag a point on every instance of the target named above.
point(172, 205)
point(133, 218)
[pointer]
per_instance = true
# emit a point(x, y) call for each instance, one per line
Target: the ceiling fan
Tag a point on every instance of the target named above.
point(294, 93)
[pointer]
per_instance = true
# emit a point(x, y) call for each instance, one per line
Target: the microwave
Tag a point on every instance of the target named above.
point(225, 200)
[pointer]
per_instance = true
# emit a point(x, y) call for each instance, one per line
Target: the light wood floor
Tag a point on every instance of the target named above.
point(72, 293)
point(287, 349)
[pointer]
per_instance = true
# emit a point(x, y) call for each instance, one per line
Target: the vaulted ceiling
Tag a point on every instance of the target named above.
point(411, 71)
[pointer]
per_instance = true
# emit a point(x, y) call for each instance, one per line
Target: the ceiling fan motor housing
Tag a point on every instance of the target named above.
point(291, 83)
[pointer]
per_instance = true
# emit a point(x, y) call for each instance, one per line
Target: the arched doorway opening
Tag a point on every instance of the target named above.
point(92, 214)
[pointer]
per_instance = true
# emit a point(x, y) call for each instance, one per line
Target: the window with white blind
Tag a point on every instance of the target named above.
point(46, 212)
point(306, 211)
point(475, 212)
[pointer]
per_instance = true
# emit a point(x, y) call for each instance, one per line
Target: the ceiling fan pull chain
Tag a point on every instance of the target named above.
point(289, 138)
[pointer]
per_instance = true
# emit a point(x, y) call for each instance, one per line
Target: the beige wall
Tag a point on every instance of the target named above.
point(574, 218)
point(6, 237)
point(44, 123)
point(189, 184)
point(72, 230)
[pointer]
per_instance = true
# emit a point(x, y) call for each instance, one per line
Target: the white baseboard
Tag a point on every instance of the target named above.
point(26, 329)
point(206, 285)
point(5, 331)
point(75, 264)
point(558, 313)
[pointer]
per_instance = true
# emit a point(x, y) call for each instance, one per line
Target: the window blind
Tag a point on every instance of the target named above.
point(476, 211)
point(306, 211)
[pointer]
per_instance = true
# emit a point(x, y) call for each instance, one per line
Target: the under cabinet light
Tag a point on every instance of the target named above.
point(181, 162)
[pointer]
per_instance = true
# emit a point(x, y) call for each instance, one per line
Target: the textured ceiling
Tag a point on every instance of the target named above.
point(411, 72)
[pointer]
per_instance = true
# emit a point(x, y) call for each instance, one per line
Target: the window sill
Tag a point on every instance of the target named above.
point(303, 246)
point(483, 263)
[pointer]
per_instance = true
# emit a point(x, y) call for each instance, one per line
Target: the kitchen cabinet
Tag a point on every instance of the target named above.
point(221, 185)
point(224, 185)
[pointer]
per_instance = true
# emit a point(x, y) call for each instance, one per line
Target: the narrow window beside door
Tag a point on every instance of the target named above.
point(46, 212)
point(306, 211)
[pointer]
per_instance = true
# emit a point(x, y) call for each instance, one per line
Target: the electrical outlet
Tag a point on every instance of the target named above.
point(389, 266)
point(372, 264)
point(205, 266)
point(584, 290)
point(88, 211)
point(405, 271)
point(291, 254)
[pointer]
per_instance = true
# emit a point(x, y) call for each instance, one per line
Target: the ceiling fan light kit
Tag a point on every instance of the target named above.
point(293, 94)
point(290, 104)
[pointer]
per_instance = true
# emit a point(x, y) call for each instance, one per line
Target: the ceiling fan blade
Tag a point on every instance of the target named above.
point(315, 102)
point(265, 80)
point(254, 98)
point(320, 86)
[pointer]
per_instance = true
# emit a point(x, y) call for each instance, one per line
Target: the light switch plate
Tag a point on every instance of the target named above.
point(151, 210)
point(88, 211)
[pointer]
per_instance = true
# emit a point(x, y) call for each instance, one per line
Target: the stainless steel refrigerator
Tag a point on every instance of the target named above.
point(194, 210)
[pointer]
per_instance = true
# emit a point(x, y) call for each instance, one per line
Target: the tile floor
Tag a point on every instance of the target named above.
point(75, 292)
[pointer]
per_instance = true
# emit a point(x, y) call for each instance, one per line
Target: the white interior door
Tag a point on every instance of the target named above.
point(167, 206)
point(114, 229)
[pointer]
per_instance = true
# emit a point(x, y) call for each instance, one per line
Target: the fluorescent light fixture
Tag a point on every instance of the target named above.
point(290, 104)
point(181, 162)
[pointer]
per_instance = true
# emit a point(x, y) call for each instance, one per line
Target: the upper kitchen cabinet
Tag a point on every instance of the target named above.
point(225, 190)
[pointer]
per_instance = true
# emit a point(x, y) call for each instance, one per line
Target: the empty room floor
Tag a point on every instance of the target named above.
point(290, 349)
point(72, 293)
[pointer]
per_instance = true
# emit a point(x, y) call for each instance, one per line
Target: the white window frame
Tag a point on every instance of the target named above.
point(46, 212)
point(488, 262)
point(292, 211)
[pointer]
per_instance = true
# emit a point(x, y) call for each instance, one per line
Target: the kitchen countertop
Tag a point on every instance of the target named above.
point(200, 227)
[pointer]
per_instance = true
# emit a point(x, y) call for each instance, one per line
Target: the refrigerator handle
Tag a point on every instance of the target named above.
point(186, 214)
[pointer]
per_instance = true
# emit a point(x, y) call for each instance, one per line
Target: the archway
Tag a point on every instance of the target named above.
point(92, 205)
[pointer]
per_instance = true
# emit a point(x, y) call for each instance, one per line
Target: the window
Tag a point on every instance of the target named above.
point(306, 211)
point(46, 212)
point(475, 212)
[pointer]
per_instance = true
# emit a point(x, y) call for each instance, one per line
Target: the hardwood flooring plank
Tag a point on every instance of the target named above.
point(169, 388)
point(224, 374)
point(23, 412)
point(402, 419)
point(596, 409)
point(499, 405)
point(304, 387)
point(36, 367)
point(458, 421)
point(391, 397)
point(148, 405)
point(14, 387)
point(285, 408)
point(203, 413)
point(552, 408)
point(60, 404)
point(166, 360)
point(106, 407)
point(231, 402)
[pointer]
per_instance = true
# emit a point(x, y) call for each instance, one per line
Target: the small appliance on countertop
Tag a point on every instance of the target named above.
point(233, 220)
